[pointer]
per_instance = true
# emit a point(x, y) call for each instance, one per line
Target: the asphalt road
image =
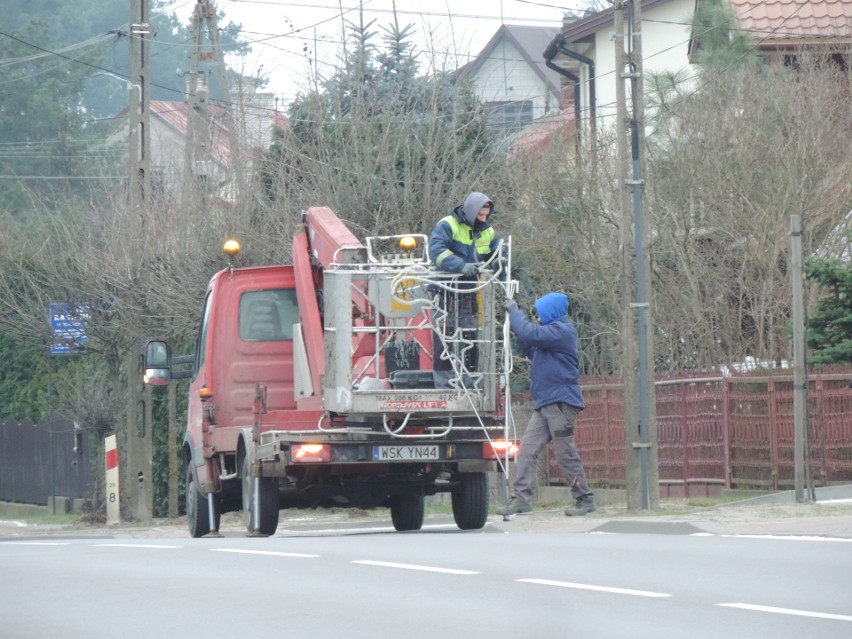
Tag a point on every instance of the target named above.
point(536, 576)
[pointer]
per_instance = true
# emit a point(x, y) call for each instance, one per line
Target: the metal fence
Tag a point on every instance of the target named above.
point(715, 432)
point(44, 459)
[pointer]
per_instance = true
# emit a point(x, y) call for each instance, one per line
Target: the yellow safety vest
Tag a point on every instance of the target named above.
point(463, 234)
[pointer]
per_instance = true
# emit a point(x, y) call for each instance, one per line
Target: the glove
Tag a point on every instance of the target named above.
point(469, 269)
point(510, 305)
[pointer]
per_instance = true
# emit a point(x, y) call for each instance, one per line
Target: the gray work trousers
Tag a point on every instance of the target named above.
point(554, 422)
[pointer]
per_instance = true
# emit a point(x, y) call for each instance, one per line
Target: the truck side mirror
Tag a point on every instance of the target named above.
point(157, 363)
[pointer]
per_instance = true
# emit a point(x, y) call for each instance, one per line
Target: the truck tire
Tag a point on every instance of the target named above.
point(266, 500)
point(197, 510)
point(470, 501)
point(407, 511)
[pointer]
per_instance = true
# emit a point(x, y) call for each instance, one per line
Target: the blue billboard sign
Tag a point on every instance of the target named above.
point(68, 328)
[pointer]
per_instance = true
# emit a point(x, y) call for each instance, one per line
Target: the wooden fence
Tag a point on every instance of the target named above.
point(718, 432)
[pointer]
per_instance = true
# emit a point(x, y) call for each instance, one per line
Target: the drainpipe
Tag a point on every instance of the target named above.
point(550, 53)
point(557, 45)
point(591, 64)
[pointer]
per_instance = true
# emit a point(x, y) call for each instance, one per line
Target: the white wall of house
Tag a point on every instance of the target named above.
point(665, 41)
point(507, 77)
point(168, 155)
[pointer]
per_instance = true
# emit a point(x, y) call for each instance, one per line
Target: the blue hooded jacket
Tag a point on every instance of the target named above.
point(552, 347)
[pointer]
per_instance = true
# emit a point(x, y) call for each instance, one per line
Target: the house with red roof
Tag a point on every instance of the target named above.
point(585, 50)
point(176, 155)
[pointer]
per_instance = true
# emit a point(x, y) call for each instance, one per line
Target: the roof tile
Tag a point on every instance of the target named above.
point(775, 21)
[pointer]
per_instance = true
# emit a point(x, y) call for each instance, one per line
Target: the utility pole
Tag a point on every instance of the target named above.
point(135, 442)
point(642, 475)
point(138, 111)
point(801, 461)
point(198, 132)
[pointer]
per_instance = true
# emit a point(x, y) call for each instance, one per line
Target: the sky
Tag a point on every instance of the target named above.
point(294, 41)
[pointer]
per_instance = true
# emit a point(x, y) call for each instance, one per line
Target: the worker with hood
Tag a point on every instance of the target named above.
point(557, 401)
point(460, 242)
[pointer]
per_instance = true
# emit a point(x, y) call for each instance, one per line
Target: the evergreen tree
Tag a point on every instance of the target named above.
point(830, 327)
point(720, 45)
point(379, 143)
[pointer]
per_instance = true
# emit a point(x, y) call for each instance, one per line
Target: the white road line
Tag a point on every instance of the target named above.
point(617, 591)
point(295, 532)
point(389, 564)
point(844, 540)
point(36, 543)
point(787, 611)
point(160, 546)
point(270, 553)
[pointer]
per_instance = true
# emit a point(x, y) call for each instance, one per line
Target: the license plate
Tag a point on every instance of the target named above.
point(406, 452)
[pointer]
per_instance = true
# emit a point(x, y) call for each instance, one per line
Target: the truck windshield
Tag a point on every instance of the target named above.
point(268, 315)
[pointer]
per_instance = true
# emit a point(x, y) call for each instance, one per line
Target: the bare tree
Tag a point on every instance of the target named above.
point(737, 158)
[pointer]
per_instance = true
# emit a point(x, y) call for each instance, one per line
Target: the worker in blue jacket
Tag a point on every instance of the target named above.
point(557, 401)
point(459, 243)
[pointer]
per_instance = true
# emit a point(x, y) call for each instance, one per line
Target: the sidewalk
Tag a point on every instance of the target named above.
point(773, 514)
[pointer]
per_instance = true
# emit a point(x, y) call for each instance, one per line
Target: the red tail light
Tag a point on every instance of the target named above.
point(499, 449)
point(311, 453)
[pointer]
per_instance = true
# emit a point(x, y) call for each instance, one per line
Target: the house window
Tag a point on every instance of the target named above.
point(507, 117)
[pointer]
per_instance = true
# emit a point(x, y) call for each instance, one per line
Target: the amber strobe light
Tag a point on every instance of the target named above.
point(231, 248)
point(407, 243)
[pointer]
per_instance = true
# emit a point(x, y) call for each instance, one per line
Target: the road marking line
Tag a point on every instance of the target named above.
point(161, 546)
point(787, 611)
point(791, 537)
point(295, 532)
point(271, 553)
point(389, 564)
point(617, 591)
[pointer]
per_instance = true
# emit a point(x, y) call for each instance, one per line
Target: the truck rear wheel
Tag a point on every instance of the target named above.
point(261, 509)
point(197, 508)
point(470, 501)
point(407, 511)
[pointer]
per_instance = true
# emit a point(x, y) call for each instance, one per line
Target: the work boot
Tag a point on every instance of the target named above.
point(584, 506)
point(516, 506)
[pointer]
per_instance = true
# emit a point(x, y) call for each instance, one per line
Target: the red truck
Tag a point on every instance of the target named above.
point(311, 385)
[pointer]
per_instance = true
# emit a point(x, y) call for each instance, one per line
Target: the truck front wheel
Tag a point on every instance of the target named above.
point(407, 511)
point(470, 501)
point(260, 502)
point(197, 507)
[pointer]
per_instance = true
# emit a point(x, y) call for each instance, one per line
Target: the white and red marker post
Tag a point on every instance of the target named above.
point(113, 512)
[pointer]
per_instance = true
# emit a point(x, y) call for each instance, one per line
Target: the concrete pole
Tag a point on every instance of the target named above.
point(139, 144)
point(800, 380)
point(173, 448)
point(626, 276)
point(647, 444)
point(137, 472)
